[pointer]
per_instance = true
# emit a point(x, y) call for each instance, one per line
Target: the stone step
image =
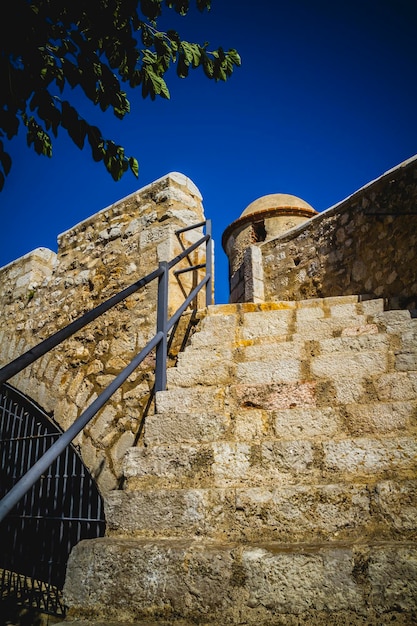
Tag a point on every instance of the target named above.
point(254, 583)
point(327, 316)
point(364, 414)
point(269, 462)
point(294, 513)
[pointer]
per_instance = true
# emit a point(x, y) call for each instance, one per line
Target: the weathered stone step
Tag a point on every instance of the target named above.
point(367, 413)
point(302, 513)
point(226, 583)
point(269, 462)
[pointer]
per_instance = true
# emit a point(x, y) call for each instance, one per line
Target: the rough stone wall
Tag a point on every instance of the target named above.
point(367, 244)
point(43, 291)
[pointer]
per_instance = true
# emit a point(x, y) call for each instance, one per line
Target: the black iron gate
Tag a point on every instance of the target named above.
point(63, 507)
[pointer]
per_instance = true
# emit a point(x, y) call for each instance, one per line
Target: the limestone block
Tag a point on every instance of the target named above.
point(269, 324)
point(366, 342)
point(393, 577)
point(371, 307)
point(344, 310)
point(285, 583)
point(306, 422)
point(250, 425)
point(344, 363)
point(180, 464)
point(190, 400)
point(231, 462)
point(293, 457)
point(303, 513)
point(379, 417)
point(207, 581)
point(406, 362)
point(203, 367)
point(393, 321)
point(101, 423)
point(272, 371)
point(170, 512)
point(348, 388)
point(309, 313)
point(397, 503)
point(267, 350)
point(185, 427)
point(276, 396)
point(327, 327)
point(370, 455)
point(214, 331)
point(139, 579)
point(394, 386)
point(366, 329)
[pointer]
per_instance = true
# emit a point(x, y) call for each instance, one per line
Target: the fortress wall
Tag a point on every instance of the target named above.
point(43, 292)
point(366, 244)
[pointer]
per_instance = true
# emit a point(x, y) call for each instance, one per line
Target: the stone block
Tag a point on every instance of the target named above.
point(185, 427)
point(179, 465)
point(394, 386)
point(170, 512)
point(306, 422)
point(268, 350)
point(213, 331)
point(357, 364)
point(325, 581)
point(366, 342)
point(250, 425)
point(368, 456)
point(266, 372)
point(393, 579)
point(276, 396)
point(200, 372)
point(292, 457)
point(326, 328)
point(405, 362)
point(365, 329)
point(309, 313)
point(393, 322)
point(348, 388)
point(379, 417)
point(206, 582)
point(303, 512)
point(269, 324)
point(190, 400)
point(344, 309)
point(371, 307)
point(396, 503)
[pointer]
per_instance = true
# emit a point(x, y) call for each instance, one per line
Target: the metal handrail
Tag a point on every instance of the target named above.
point(158, 341)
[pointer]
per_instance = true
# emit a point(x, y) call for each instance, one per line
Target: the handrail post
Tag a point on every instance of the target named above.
point(161, 326)
point(209, 264)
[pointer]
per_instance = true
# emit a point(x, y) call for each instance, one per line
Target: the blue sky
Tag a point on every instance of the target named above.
point(325, 101)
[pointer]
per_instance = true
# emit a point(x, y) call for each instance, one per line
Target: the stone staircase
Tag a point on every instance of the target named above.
point(276, 481)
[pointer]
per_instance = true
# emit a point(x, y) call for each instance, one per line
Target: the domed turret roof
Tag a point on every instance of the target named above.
point(276, 201)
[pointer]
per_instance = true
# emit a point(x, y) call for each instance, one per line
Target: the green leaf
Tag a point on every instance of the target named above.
point(134, 166)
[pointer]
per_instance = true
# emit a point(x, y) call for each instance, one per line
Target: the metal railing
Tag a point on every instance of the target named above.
point(159, 341)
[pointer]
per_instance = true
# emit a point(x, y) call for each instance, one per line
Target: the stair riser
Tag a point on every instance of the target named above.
point(218, 584)
point(291, 514)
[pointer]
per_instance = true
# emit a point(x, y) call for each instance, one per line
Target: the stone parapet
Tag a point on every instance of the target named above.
point(42, 292)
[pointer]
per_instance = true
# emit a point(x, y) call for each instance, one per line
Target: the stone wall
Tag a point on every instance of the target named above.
point(43, 291)
point(367, 244)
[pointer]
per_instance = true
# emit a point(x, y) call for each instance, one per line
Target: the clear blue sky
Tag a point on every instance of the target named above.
point(325, 101)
